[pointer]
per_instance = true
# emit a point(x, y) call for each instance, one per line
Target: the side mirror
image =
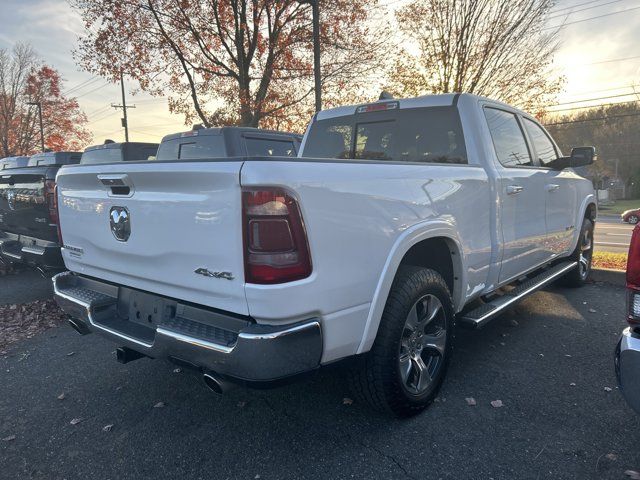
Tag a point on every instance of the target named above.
point(580, 157)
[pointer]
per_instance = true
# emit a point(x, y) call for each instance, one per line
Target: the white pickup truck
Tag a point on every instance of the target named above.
point(398, 219)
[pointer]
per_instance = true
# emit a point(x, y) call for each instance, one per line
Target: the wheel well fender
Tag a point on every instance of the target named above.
point(588, 209)
point(433, 244)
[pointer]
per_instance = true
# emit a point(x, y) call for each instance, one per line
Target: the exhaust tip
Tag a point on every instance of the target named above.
point(214, 383)
point(78, 326)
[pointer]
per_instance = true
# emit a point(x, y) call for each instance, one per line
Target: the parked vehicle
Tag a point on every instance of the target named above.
point(29, 231)
point(627, 359)
point(631, 216)
point(13, 162)
point(112, 152)
point(203, 143)
point(399, 219)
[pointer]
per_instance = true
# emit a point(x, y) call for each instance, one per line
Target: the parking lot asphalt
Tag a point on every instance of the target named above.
point(549, 361)
point(24, 286)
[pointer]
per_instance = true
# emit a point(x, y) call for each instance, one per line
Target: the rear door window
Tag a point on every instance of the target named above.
point(508, 138)
point(267, 147)
point(425, 135)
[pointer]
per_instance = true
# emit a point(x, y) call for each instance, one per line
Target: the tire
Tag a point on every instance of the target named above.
point(583, 255)
point(406, 366)
point(633, 219)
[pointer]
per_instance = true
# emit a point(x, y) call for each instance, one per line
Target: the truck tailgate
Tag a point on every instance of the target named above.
point(23, 206)
point(184, 228)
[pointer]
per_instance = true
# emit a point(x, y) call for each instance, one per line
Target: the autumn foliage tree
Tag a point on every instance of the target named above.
point(24, 79)
point(498, 49)
point(244, 62)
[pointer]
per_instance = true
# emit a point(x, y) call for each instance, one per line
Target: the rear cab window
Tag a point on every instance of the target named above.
point(101, 155)
point(192, 147)
point(423, 135)
point(269, 147)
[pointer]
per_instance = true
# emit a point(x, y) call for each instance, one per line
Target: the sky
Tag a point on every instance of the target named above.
point(598, 57)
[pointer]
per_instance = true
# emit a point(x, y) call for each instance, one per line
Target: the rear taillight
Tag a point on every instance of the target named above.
point(275, 241)
point(633, 279)
point(51, 199)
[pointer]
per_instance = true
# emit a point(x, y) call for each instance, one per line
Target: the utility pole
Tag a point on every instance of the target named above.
point(124, 107)
point(316, 50)
point(39, 105)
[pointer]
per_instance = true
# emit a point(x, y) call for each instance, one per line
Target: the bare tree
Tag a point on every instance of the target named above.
point(499, 49)
point(246, 62)
point(17, 121)
point(23, 79)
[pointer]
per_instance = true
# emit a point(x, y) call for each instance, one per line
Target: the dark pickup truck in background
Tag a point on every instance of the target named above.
point(111, 152)
point(29, 231)
point(29, 213)
point(202, 143)
point(13, 162)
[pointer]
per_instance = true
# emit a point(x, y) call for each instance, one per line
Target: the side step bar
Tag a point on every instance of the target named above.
point(482, 315)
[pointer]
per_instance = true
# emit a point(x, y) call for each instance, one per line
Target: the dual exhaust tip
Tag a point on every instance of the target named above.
point(213, 381)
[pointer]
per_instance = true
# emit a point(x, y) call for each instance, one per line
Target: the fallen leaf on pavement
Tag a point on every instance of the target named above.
point(61, 396)
point(76, 421)
point(177, 370)
point(347, 401)
point(471, 401)
point(611, 456)
point(607, 389)
point(592, 310)
point(241, 404)
point(107, 428)
point(70, 354)
point(632, 474)
point(159, 405)
point(572, 384)
point(514, 322)
point(9, 438)
point(496, 403)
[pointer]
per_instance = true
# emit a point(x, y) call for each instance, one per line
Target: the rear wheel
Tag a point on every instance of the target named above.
point(633, 219)
point(406, 366)
point(583, 254)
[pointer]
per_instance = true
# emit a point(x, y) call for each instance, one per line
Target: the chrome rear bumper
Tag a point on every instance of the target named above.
point(160, 327)
point(628, 367)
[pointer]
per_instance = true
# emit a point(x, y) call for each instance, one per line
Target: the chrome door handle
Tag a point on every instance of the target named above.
point(514, 189)
point(552, 187)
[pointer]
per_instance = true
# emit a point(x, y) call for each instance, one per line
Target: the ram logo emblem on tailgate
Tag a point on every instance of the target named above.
point(120, 223)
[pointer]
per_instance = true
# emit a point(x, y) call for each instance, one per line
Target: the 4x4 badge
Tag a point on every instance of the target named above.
point(209, 273)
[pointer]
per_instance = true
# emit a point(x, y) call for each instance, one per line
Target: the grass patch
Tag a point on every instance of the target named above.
point(619, 207)
point(614, 261)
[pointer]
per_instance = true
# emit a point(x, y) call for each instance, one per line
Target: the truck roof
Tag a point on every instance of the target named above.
point(438, 100)
point(119, 145)
point(54, 158)
point(13, 162)
point(220, 130)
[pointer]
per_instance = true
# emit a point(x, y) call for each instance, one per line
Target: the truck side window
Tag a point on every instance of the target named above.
point(508, 138)
point(543, 145)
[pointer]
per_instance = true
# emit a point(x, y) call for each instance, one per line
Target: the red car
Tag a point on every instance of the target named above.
point(631, 216)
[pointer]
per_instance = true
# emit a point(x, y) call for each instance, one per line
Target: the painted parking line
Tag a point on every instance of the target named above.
point(610, 244)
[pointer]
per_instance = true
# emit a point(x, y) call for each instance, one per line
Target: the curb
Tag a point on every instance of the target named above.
point(607, 275)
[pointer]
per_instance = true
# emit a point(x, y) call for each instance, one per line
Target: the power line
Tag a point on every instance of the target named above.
point(591, 18)
point(591, 99)
point(583, 9)
point(574, 6)
point(593, 119)
point(81, 85)
point(601, 105)
point(94, 90)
